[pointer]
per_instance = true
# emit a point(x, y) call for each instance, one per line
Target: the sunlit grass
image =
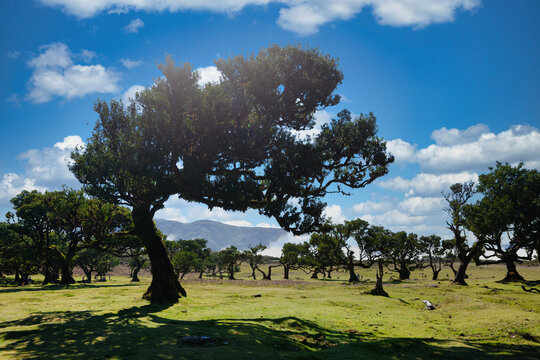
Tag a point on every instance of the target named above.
point(299, 318)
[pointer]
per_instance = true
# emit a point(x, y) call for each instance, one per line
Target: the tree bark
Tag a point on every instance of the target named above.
point(66, 277)
point(135, 274)
point(165, 287)
point(435, 274)
point(378, 290)
point(285, 272)
point(461, 273)
point(353, 278)
point(404, 273)
point(511, 273)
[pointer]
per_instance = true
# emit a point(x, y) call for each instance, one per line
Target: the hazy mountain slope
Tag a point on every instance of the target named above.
point(219, 235)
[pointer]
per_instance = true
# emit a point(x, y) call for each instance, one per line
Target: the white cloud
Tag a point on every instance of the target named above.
point(446, 136)
point(45, 169)
point(427, 184)
point(519, 143)
point(321, 117)
point(134, 26)
point(334, 212)
point(87, 55)
point(373, 206)
point(54, 74)
point(303, 17)
point(11, 184)
point(419, 13)
point(48, 166)
point(130, 93)
point(403, 151)
point(130, 64)
point(208, 74)
point(419, 206)
point(472, 149)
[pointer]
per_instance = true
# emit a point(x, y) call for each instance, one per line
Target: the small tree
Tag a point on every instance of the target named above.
point(457, 199)
point(433, 247)
point(404, 254)
point(379, 241)
point(293, 257)
point(231, 258)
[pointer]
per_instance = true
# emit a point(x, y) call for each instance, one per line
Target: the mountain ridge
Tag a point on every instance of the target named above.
point(219, 235)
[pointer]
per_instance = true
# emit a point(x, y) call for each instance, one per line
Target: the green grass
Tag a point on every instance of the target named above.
point(297, 319)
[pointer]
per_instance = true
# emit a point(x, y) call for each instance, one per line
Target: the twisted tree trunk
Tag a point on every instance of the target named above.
point(165, 287)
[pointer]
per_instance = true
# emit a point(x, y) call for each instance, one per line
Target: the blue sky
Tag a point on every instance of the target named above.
point(454, 84)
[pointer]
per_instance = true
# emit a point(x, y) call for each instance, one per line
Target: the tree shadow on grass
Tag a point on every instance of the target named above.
point(14, 288)
point(141, 333)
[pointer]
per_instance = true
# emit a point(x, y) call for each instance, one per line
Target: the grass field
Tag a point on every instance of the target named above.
point(295, 319)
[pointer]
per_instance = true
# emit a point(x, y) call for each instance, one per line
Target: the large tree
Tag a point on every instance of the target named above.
point(510, 206)
point(231, 144)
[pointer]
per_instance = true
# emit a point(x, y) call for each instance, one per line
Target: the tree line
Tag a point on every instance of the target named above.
point(51, 232)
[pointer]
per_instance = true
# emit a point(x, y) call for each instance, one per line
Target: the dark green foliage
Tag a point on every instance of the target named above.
point(230, 259)
point(510, 205)
point(230, 145)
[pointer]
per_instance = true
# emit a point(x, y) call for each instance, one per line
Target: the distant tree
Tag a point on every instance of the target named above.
point(136, 263)
point(107, 263)
point(380, 244)
point(357, 230)
point(35, 229)
point(510, 205)
point(405, 254)
point(230, 144)
point(433, 247)
point(254, 259)
point(16, 257)
point(88, 260)
point(293, 257)
point(457, 198)
point(450, 254)
point(70, 222)
point(188, 255)
point(231, 258)
point(326, 252)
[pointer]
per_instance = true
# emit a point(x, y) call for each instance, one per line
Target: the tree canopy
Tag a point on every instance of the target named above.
point(230, 144)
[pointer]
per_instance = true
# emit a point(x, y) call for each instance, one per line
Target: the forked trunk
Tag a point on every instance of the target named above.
point(379, 291)
point(436, 274)
point(165, 287)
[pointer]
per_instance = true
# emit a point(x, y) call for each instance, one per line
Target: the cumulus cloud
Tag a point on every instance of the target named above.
point(87, 55)
point(208, 74)
point(55, 74)
point(129, 94)
point(130, 64)
point(303, 17)
point(335, 213)
point(45, 169)
point(48, 167)
point(472, 149)
point(11, 184)
point(134, 26)
point(403, 151)
point(427, 184)
point(519, 143)
point(421, 215)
